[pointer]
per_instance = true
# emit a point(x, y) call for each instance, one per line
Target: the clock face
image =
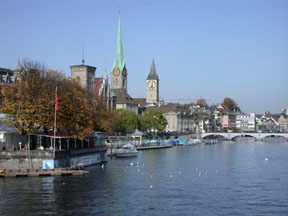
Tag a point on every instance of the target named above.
point(151, 85)
point(116, 72)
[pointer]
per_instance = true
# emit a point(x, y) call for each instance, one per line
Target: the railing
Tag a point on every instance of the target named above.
point(116, 141)
point(24, 154)
point(232, 135)
point(49, 154)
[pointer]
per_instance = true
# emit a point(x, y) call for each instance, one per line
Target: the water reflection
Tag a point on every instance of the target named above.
point(222, 179)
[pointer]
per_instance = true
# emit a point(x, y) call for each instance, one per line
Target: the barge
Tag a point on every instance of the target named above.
point(42, 155)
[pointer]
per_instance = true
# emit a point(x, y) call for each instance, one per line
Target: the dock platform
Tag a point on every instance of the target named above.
point(153, 147)
point(41, 172)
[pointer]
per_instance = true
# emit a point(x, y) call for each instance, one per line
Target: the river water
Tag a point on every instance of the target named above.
point(222, 179)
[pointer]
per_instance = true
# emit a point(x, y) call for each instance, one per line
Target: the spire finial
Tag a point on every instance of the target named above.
point(119, 8)
point(83, 60)
point(153, 53)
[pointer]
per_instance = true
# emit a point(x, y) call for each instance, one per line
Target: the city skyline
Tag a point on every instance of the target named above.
point(209, 49)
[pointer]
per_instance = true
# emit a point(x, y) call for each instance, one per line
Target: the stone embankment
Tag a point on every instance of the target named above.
point(41, 172)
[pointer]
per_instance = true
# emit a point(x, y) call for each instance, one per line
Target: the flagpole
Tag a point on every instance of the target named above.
point(55, 119)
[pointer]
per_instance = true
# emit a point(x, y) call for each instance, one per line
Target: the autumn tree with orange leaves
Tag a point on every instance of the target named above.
point(103, 119)
point(30, 104)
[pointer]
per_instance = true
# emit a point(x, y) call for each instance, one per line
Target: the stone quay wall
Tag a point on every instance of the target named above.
point(34, 158)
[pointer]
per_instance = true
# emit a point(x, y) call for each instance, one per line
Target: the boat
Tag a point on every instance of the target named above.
point(127, 150)
point(182, 142)
point(194, 142)
point(149, 147)
point(154, 142)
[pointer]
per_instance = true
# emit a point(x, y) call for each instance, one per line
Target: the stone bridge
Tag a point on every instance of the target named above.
point(231, 136)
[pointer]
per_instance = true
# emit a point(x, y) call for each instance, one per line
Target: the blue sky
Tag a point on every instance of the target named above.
point(208, 48)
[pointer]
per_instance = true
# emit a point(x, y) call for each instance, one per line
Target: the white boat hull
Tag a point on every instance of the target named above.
point(124, 155)
point(126, 151)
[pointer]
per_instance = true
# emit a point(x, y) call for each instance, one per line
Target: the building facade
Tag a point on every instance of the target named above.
point(283, 123)
point(7, 76)
point(266, 124)
point(179, 119)
point(246, 122)
point(228, 121)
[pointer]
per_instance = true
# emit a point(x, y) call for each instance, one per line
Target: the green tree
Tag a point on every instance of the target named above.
point(155, 121)
point(144, 123)
point(126, 120)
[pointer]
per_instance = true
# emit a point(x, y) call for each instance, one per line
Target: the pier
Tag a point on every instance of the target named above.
point(148, 147)
point(40, 172)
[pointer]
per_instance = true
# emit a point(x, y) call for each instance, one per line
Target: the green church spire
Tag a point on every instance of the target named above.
point(119, 60)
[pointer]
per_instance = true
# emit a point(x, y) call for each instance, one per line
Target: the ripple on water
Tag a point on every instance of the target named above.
point(222, 179)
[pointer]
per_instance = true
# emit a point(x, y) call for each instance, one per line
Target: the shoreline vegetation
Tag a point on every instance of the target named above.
point(29, 105)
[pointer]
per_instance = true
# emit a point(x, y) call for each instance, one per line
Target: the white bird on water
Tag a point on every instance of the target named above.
point(131, 164)
point(266, 159)
point(102, 166)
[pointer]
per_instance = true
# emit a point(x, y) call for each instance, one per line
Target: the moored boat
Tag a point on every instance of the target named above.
point(127, 150)
point(194, 142)
point(182, 142)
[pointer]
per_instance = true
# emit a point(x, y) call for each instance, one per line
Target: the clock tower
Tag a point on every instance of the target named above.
point(152, 86)
point(119, 71)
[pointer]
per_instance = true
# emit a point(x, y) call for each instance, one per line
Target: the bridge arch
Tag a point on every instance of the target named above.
point(243, 135)
point(212, 135)
point(233, 135)
point(275, 135)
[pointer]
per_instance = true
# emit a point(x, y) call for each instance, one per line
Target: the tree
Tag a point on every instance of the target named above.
point(126, 120)
point(267, 114)
point(202, 102)
point(30, 105)
point(229, 103)
point(26, 65)
point(22, 103)
point(103, 120)
point(74, 116)
point(155, 121)
point(144, 123)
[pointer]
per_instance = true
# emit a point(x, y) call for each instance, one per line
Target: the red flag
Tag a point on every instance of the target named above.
point(56, 100)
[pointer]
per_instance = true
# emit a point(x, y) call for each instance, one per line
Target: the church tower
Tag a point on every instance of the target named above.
point(119, 71)
point(152, 86)
point(85, 74)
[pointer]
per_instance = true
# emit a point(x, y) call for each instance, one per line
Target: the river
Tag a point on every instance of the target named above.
point(222, 179)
